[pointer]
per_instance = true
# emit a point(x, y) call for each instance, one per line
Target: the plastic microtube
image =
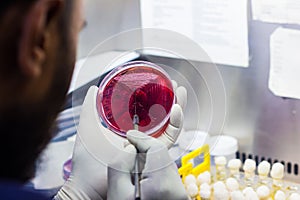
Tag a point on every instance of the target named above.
point(220, 162)
point(192, 190)
point(263, 192)
point(249, 169)
point(204, 177)
point(292, 188)
point(294, 196)
point(205, 191)
point(190, 179)
point(232, 184)
point(279, 195)
point(237, 195)
point(277, 173)
point(234, 166)
point(263, 170)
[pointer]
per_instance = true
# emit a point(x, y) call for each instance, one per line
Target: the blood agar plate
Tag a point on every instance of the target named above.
point(136, 88)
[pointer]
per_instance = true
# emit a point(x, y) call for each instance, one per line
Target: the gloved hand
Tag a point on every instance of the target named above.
point(96, 147)
point(159, 177)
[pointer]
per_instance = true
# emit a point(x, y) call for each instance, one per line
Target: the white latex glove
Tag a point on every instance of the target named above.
point(174, 128)
point(119, 173)
point(159, 177)
point(96, 146)
point(94, 149)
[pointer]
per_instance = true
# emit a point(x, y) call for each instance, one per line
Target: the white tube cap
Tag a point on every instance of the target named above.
point(294, 196)
point(220, 160)
point(232, 184)
point(263, 191)
point(277, 171)
point(234, 164)
point(264, 168)
point(249, 165)
point(279, 195)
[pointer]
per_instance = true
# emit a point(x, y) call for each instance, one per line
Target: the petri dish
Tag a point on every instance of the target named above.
point(140, 89)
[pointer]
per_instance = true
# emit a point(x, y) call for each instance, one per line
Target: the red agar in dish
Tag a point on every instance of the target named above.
point(140, 88)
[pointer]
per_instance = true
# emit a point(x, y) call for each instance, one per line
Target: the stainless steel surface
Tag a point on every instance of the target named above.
point(266, 126)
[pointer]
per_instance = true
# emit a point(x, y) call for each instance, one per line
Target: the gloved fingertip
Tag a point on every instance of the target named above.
point(130, 149)
point(90, 97)
point(133, 135)
point(182, 90)
point(174, 84)
point(176, 118)
point(92, 90)
point(93, 87)
point(181, 95)
point(126, 143)
point(140, 140)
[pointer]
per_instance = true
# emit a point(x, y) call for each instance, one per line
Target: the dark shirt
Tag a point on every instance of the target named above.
point(15, 191)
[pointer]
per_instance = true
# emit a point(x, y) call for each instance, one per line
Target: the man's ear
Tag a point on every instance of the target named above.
point(32, 51)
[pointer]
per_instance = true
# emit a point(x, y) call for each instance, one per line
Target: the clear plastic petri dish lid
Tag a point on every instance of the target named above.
point(136, 88)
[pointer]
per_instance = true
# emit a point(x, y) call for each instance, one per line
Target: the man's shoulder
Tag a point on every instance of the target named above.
point(12, 191)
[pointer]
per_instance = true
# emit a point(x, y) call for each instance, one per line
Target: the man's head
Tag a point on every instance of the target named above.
point(38, 40)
